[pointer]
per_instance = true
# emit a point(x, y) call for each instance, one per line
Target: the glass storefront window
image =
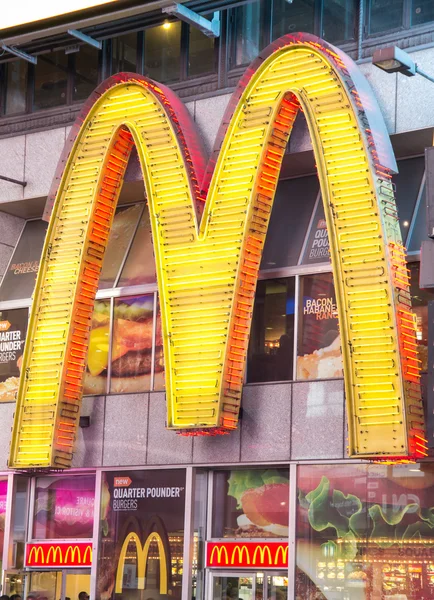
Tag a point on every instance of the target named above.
point(142, 514)
point(131, 359)
point(246, 33)
point(419, 300)
point(16, 87)
point(365, 531)
point(420, 229)
point(13, 328)
point(3, 498)
point(271, 347)
point(338, 20)
point(45, 585)
point(139, 266)
point(85, 72)
point(51, 80)
point(159, 381)
point(317, 249)
point(292, 17)
point(292, 209)
point(251, 503)
point(163, 52)
point(64, 507)
point(385, 15)
point(201, 52)
point(319, 347)
point(407, 183)
point(422, 11)
point(95, 377)
point(199, 533)
point(124, 53)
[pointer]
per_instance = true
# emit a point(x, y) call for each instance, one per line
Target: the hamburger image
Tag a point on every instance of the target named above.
point(262, 497)
point(131, 353)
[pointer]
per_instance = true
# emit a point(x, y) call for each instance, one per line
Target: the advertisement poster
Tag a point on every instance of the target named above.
point(142, 535)
point(319, 351)
point(365, 532)
point(13, 328)
point(317, 246)
point(19, 279)
point(251, 503)
point(64, 507)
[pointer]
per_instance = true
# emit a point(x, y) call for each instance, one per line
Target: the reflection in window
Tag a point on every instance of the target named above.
point(385, 15)
point(420, 229)
point(292, 209)
point(247, 31)
point(407, 183)
point(338, 20)
point(422, 11)
point(199, 532)
point(363, 532)
point(292, 17)
point(319, 351)
point(140, 264)
point(159, 382)
point(124, 53)
point(3, 498)
point(64, 507)
point(131, 359)
point(201, 52)
point(251, 503)
point(20, 515)
point(163, 52)
point(270, 355)
point(317, 249)
point(85, 72)
point(419, 300)
point(16, 87)
point(95, 378)
point(123, 228)
point(51, 79)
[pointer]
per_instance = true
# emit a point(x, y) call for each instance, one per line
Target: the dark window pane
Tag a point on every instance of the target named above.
point(319, 345)
point(13, 329)
point(246, 33)
point(270, 355)
point(163, 52)
point(385, 15)
point(292, 209)
point(19, 280)
point(201, 52)
point(85, 72)
point(64, 507)
point(422, 11)
point(124, 53)
point(121, 234)
point(51, 77)
point(420, 229)
point(419, 300)
point(317, 245)
point(407, 183)
point(251, 503)
point(95, 377)
point(131, 361)
point(290, 18)
point(16, 87)
point(140, 264)
point(338, 22)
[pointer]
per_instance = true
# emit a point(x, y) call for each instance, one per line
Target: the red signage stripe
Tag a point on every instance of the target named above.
point(266, 555)
point(59, 554)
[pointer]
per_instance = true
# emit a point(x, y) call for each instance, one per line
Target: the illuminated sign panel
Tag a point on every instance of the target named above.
point(59, 554)
point(207, 271)
point(142, 559)
point(264, 555)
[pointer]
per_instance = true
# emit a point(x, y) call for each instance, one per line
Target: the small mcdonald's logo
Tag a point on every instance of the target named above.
point(266, 555)
point(59, 555)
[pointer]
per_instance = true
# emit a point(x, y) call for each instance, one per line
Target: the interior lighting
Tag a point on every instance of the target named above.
point(166, 25)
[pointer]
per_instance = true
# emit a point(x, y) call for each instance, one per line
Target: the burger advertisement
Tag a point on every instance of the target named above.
point(148, 507)
point(130, 359)
point(13, 328)
point(64, 507)
point(255, 503)
point(365, 527)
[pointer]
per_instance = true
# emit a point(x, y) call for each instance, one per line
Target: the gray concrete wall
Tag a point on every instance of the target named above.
point(405, 102)
point(10, 230)
point(280, 422)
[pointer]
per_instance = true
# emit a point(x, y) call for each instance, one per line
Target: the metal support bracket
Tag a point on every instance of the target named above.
point(20, 54)
point(209, 28)
point(11, 180)
point(85, 38)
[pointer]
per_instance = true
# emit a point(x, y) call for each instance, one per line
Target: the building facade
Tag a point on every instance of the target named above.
point(276, 509)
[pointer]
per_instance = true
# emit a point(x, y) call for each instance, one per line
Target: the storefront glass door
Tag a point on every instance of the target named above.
point(57, 585)
point(249, 586)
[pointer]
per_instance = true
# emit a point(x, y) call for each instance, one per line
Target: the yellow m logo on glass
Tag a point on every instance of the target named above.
point(207, 270)
point(142, 559)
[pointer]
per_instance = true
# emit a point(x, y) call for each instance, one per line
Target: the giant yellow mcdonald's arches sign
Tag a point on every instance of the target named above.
point(207, 271)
